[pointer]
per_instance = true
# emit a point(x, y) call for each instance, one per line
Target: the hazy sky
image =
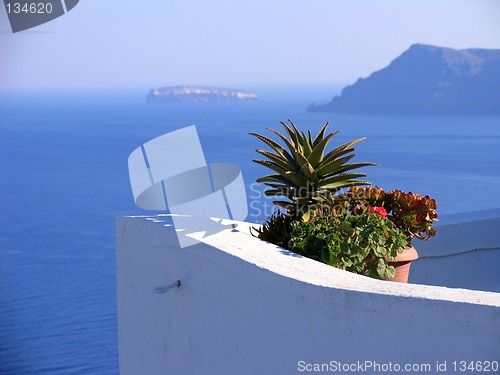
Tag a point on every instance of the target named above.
point(125, 43)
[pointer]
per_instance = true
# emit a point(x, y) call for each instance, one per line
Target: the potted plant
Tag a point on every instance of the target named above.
point(364, 230)
point(413, 214)
point(357, 243)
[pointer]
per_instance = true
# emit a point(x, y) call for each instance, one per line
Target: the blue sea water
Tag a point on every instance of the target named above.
point(64, 179)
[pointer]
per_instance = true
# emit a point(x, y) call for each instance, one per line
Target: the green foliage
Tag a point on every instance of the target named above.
point(412, 213)
point(357, 231)
point(356, 243)
point(276, 229)
point(305, 173)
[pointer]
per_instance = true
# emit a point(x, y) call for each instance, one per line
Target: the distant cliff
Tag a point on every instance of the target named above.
point(180, 94)
point(426, 80)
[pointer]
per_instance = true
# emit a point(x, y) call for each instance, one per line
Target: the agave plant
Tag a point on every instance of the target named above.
point(303, 173)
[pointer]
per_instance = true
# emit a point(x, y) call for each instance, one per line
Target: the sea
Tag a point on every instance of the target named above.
point(64, 179)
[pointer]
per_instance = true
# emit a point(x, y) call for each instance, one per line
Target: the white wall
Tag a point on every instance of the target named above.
point(248, 307)
point(461, 255)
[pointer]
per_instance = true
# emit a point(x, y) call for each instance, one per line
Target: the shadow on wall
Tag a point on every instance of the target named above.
point(461, 255)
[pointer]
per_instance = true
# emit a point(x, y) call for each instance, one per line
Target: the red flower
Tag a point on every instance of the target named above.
point(379, 210)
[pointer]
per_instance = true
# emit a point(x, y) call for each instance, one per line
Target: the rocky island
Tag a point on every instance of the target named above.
point(426, 80)
point(194, 94)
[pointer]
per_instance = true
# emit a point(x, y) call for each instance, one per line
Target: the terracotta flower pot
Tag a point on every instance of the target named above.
point(402, 265)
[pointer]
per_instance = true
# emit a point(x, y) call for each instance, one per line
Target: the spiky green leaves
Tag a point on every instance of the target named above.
point(276, 229)
point(303, 173)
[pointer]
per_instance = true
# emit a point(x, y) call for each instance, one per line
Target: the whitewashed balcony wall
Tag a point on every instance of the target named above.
point(247, 307)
